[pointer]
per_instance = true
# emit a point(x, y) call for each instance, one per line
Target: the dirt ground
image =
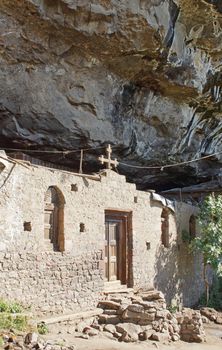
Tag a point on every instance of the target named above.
point(101, 342)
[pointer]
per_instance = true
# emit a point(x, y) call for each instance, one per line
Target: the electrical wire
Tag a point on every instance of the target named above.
point(161, 167)
point(55, 152)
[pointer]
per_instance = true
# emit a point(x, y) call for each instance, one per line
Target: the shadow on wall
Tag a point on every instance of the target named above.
point(166, 272)
point(178, 274)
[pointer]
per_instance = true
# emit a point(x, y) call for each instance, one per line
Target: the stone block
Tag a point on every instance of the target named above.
point(136, 308)
point(108, 304)
point(152, 295)
point(110, 328)
point(109, 319)
point(160, 337)
point(130, 332)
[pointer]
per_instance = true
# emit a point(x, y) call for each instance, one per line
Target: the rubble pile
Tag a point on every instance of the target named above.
point(31, 341)
point(125, 317)
point(191, 326)
point(211, 314)
point(144, 316)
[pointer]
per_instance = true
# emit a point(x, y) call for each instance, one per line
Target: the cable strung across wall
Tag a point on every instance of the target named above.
point(53, 151)
point(160, 167)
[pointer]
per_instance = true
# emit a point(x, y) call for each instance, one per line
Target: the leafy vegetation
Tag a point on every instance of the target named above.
point(1, 341)
point(215, 295)
point(185, 236)
point(10, 306)
point(9, 316)
point(42, 328)
point(12, 321)
point(173, 309)
point(209, 243)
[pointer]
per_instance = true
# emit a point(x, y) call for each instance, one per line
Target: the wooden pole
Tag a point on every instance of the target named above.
point(81, 161)
point(181, 199)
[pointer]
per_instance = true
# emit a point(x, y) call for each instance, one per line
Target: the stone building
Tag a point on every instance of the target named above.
point(64, 237)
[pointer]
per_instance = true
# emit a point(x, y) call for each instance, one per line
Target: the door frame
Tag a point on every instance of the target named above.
point(126, 271)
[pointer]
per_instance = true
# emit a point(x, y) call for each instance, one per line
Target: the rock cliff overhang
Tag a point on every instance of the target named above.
point(144, 75)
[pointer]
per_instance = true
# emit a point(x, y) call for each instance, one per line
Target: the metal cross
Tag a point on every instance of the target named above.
point(108, 161)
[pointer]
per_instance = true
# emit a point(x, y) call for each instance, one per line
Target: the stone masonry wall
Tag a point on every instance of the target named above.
point(52, 282)
point(22, 189)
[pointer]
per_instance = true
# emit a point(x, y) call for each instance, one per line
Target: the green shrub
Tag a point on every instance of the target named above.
point(209, 242)
point(3, 306)
point(10, 306)
point(173, 309)
point(1, 342)
point(42, 328)
point(9, 318)
point(215, 295)
point(15, 308)
point(10, 321)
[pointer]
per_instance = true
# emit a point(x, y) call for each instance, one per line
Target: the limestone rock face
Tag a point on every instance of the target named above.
point(140, 74)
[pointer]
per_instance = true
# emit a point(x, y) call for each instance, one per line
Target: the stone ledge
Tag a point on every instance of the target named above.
point(71, 317)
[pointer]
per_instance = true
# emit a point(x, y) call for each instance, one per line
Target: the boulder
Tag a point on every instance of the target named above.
point(160, 337)
point(129, 338)
point(31, 338)
point(210, 313)
point(130, 332)
point(129, 328)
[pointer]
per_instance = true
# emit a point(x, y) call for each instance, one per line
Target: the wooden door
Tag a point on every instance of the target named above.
point(49, 222)
point(111, 250)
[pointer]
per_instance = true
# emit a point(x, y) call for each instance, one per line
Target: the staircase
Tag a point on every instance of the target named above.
point(115, 287)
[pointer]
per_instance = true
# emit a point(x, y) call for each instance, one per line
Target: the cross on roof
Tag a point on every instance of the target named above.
point(108, 161)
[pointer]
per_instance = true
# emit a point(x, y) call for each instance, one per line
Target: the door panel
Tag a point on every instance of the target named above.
point(111, 250)
point(115, 249)
point(118, 246)
point(107, 252)
point(48, 224)
point(113, 235)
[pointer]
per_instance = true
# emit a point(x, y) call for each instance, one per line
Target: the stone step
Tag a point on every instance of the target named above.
point(119, 291)
point(48, 245)
point(115, 287)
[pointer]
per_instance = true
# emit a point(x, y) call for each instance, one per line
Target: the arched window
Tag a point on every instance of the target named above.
point(165, 238)
point(54, 219)
point(192, 227)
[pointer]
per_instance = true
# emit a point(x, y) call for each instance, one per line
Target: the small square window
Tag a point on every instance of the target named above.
point(27, 226)
point(74, 187)
point(82, 227)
